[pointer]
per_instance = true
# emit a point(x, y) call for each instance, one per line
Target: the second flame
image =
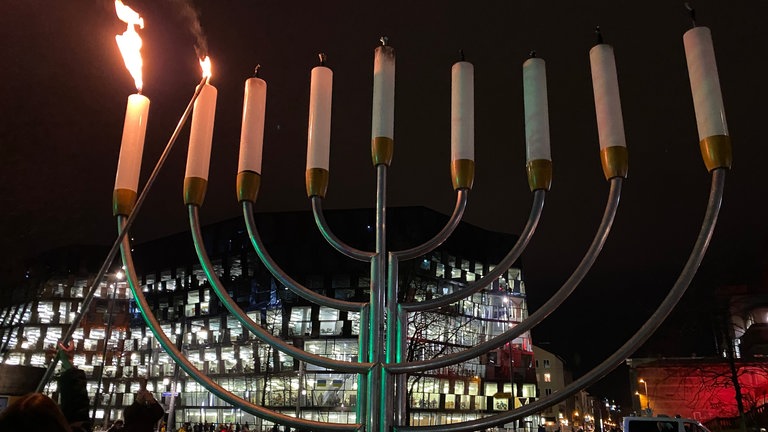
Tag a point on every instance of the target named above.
point(205, 65)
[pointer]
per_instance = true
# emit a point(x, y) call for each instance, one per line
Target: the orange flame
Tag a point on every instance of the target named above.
point(130, 42)
point(205, 65)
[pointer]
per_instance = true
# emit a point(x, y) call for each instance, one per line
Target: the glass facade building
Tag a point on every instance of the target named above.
point(115, 348)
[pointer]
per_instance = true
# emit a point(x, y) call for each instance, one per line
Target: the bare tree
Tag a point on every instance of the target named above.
point(433, 334)
point(718, 383)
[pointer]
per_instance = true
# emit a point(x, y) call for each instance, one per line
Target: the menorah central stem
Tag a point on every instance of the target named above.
point(380, 385)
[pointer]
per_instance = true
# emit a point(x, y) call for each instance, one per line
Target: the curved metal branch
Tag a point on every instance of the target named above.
point(512, 256)
point(333, 240)
point(283, 277)
point(75, 324)
point(642, 335)
point(439, 238)
point(195, 373)
point(343, 248)
point(245, 320)
point(553, 303)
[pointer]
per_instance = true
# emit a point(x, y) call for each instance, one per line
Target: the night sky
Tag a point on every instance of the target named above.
point(64, 89)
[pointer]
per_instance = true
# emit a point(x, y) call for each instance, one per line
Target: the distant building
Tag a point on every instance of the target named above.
point(748, 318)
point(552, 376)
point(115, 348)
point(697, 388)
point(703, 387)
point(574, 413)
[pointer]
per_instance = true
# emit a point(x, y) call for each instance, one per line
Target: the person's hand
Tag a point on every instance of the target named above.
point(143, 396)
point(66, 354)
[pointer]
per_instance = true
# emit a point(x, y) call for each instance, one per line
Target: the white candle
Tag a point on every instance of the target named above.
point(383, 117)
point(705, 84)
point(252, 131)
point(462, 111)
point(319, 130)
point(201, 133)
point(610, 124)
point(536, 110)
point(132, 146)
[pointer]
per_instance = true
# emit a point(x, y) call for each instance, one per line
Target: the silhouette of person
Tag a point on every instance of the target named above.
point(34, 412)
point(144, 412)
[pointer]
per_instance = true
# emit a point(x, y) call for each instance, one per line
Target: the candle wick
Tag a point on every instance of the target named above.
point(383, 40)
point(691, 13)
point(461, 54)
point(599, 35)
point(323, 58)
point(532, 54)
point(256, 70)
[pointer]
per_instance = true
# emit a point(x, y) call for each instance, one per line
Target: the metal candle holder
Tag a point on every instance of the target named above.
point(383, 371)
point(382, 368)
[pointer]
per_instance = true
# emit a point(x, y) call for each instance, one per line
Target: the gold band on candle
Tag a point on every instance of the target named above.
point(317, 182)
point(717, 151)
point(462, 173)
point(382, 149)
point(194, 190)
point(539, 174)
point(123, 201)
point(248, 183)
point(615, 161)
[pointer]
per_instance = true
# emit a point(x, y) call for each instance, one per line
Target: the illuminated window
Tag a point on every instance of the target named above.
point(190, 310)
point(354, 317)
point(478, 268)
point(513, 274)
point(45, 312)
point(329, 321)
point(481, 403)
point(529, 390)
point(440, 270)
point(450, 401)
point(455, 273)
point(274, 321)
point(547, 377)
point(301, 323)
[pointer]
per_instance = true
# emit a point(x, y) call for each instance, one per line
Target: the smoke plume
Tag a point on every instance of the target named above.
point(191, 16)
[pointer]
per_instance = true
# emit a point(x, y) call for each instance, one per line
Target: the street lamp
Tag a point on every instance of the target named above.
point(647, 398)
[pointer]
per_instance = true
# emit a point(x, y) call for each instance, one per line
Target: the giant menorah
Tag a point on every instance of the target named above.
point(382, 370)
